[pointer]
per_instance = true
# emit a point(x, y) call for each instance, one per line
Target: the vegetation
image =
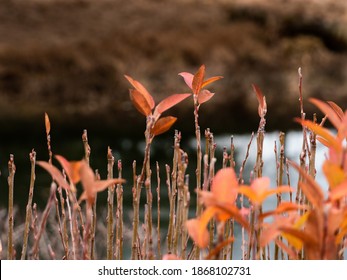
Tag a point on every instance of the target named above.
point(306, 224)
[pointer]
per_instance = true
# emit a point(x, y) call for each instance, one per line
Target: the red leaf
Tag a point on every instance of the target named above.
point(139, 87)
point(198, 79)
point(170, 101)
point(188, 78)
point(140, 102)
point(329, 111)
point(261, 100)
point(55, 173)
point(204, 96)
point(163, 125)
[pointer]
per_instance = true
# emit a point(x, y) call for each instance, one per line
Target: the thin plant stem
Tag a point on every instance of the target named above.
point(11, 171)
point(93, 222)
point(119, 230)
point(136, 204)
point(35, 250)
point(198, 162)
point(28, 215)
point(158, 212)
point(63, 226)
point(110, 199)
point(73, 245)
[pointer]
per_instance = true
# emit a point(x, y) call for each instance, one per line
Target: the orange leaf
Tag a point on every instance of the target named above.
point(323, 141)
point(90, 185)
point(339, 191)
point(224, 185)
point(321, 131)
point(47, 124)
point(259, 190)
point(55, 173)
point(170, 101)
point(329, 111)
point(310, 188)
point(198, 79)
point(261, 100)
point(204, 96)
point(163, 125)
point(226, 211)
point(139, 87)
point(188, 78)
point(71, 168)
point(268, 234)
point(211, 80)
point(197, 228)
point(297, 234)
point(337, 109)
point(333, 173)
point(140, 102)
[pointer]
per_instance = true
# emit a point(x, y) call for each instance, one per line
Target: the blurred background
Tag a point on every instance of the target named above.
point(68, 58)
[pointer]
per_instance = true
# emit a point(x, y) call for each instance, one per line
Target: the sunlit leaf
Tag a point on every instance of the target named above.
point(338, 192)
point(323, 141)
point(170, 101)
point(197, 228)
point(333, 173)
point(328, 111)
point(72, 168)
point(47, 124)
point(225, 185)
point(321, 131)
point(310, 188)
point(163, 125)
point(211, 80)
point(259, 190)
point(343, 229)
point(55, 173)
point(204, 96)
point(139, 87)
point(296, 237)
point(198, 79)
point(188, 78)
point(140, 102)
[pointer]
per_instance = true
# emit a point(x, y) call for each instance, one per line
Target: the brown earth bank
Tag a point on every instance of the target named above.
point(68, 58)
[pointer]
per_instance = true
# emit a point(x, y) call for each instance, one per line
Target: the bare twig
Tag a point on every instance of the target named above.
point(32, 157)
point(110, 199)
point(11, 171)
